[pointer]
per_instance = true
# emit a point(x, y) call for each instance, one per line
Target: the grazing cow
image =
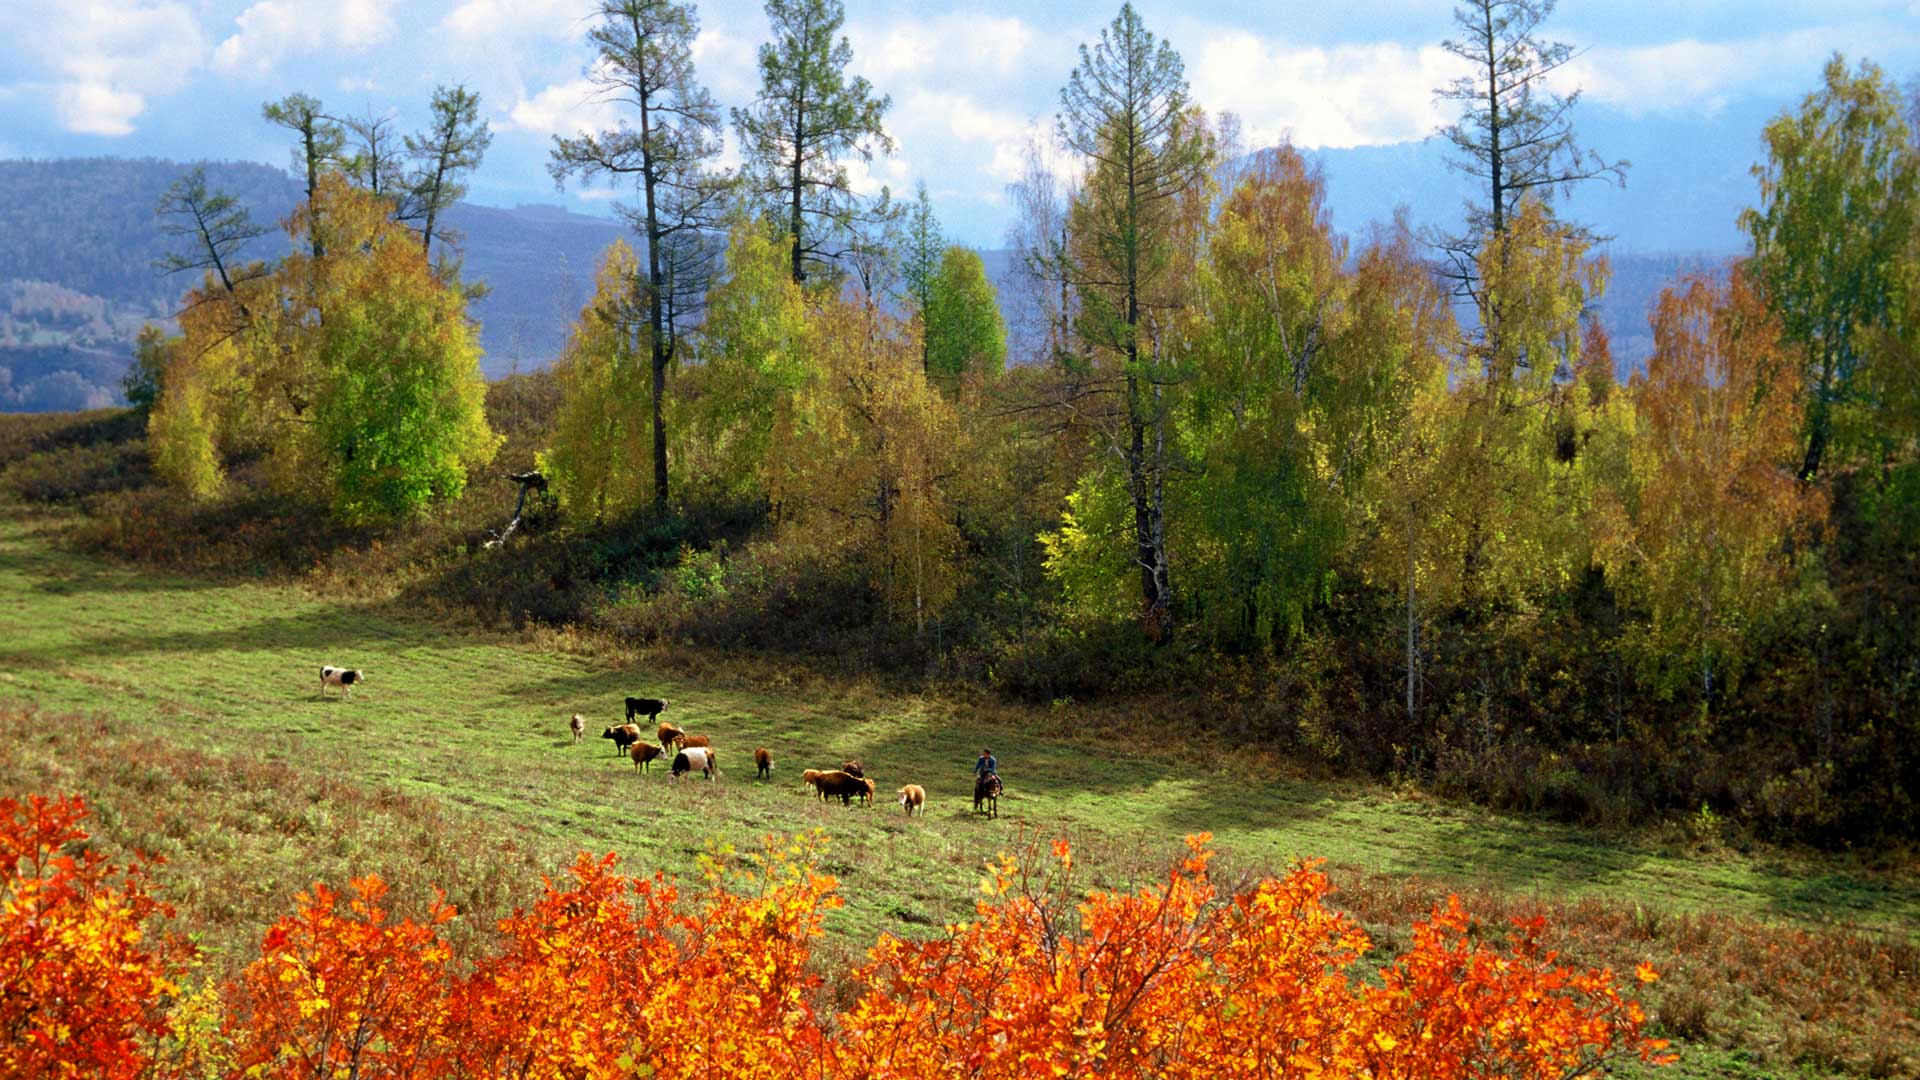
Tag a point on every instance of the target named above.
point(986, 792)
point(763, 763)
point(579, 728)
point(343, 677)
point(698, 759)
point(623, 736)
point(841, 785)
point(651, 708)
point(695, 740)
point(669, 735)
point(643, 754)
point(913, 797)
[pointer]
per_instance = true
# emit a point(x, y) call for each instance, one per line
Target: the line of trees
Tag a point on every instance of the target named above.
point(1403, 460)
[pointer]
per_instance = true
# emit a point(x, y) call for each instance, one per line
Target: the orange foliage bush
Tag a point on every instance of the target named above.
point(612, 976)
point(82, 991)
point(1174, 981)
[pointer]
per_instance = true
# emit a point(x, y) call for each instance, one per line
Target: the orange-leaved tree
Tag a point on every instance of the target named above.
point(1174, 981)
point(340, 989)
point(616, 975)
point(82, 986)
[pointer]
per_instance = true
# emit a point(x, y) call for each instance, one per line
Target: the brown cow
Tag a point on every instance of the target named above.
point(763, 761)
point(913, 797)
point(669, 735)
point(643, 754)
point(843, 786)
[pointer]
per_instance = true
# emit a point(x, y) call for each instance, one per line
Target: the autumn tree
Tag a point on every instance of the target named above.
point(343, 989)
point(867, 458)
point(320, 148)
point(357, 373)
point(1125, 109)
point(964, 332)
point(807, 119)
point(644, 61)
point(1839, 203)
point(598, 462)
point(1703, 535)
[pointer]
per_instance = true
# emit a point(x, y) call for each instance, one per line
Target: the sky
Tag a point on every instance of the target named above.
point(970, 83)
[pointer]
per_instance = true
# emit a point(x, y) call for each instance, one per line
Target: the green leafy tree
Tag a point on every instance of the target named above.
point(1839, 203)
point(807, 119)
point(755, 358)
point(152, 351)
point(964, 333)
point(644, 60)
point(1126, 111)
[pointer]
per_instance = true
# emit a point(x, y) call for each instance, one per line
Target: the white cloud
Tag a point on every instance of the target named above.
point(1344, 95)
point(107, 58)
point(1702, 76)
point(728, 65)
point(566, 108)
point(488, 19)
point(273, 29)
point(971, 46)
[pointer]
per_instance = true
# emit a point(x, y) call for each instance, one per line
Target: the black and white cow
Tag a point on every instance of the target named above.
point(342, 677)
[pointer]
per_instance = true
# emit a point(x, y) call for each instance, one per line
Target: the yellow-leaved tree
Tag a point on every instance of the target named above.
point(600, 458)
point(355, 372)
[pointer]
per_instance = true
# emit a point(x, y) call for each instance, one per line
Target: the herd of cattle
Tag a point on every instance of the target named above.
point(687, 753)
point(694, 753)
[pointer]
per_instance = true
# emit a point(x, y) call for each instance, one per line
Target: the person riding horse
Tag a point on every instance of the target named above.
point(986, 781)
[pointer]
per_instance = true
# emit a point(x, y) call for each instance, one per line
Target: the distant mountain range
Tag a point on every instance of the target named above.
point(78, 241)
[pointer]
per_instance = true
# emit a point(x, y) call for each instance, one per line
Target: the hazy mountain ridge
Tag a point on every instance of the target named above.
point(79, 239)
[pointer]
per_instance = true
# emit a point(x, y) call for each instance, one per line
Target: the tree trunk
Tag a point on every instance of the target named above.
point(1413, 619)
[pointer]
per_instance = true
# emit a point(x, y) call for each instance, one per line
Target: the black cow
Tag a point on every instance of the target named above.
point(648, 707)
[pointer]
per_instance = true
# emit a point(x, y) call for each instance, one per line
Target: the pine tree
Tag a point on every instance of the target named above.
point(798, 132)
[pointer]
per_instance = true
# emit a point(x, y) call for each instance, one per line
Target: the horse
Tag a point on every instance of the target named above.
point(986, 790)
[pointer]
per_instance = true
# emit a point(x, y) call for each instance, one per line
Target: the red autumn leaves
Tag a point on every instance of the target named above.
point(613, 976)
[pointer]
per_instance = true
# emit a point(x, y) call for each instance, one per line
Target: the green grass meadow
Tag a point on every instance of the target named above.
point(189, 710)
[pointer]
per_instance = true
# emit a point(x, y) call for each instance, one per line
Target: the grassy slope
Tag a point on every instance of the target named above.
point(482, 723)
point(453, 763)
